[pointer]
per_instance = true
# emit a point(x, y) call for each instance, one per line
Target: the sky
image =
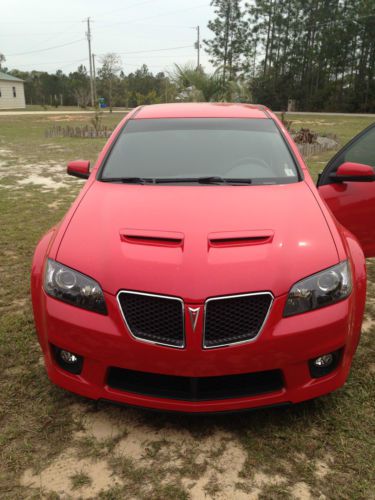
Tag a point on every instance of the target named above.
point(51, 35)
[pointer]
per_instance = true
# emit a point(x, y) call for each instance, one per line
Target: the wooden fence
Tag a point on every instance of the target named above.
point(316, 148)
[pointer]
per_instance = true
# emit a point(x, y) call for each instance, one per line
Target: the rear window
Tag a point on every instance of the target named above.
point(192, 148)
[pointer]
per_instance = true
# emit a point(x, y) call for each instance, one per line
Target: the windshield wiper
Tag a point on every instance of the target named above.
point(129, 180)
point(223, 180)
point(172, 180)
point(202, 180)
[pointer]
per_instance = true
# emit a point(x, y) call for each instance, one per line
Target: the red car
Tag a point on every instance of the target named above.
point(201, 270)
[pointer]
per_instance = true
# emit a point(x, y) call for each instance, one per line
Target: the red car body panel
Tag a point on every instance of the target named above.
point(200, 110)
point(195, 270)
point(301, 238)
point(352, 202)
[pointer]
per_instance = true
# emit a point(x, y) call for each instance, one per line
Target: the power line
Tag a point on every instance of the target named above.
point(59, 21)
point(152, 50)
point(22, 33)
point(135, 21)
point(44, 50)
point(157, 56)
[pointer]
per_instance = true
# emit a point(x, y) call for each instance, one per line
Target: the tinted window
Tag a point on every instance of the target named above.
point(363, 150)
point(229, 148)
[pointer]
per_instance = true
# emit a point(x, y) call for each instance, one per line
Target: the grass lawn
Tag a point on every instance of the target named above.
point(56, 445)
point(59, 109)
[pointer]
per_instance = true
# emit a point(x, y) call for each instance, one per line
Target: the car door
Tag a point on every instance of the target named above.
point(348, 188)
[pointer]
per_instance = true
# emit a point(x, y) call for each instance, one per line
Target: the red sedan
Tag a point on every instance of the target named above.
point(201, 270)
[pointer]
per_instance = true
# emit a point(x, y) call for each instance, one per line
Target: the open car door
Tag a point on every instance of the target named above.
point(347, 185)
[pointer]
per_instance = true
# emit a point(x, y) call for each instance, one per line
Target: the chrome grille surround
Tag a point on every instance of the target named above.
point(157, 296)
point(183, 344)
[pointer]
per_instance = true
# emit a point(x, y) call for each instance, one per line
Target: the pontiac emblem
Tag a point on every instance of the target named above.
point(194, 315)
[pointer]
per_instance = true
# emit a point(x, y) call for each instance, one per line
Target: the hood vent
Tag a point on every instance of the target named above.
point(240, 238)
point(151, 237)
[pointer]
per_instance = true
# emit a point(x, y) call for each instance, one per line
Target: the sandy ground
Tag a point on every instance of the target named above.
point(220, 457)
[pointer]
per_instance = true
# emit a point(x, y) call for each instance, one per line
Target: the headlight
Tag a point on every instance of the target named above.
point(319, 290)
point(73, 287)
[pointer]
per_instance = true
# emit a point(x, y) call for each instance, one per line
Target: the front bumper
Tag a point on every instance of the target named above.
point(285, 344)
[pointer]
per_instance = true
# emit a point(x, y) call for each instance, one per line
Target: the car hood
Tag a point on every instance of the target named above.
point(196, 242)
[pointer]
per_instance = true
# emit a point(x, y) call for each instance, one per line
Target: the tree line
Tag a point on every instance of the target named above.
point(320, 53)
point(112, 85)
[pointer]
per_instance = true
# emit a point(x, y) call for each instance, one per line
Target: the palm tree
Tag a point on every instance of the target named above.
point(198, 85)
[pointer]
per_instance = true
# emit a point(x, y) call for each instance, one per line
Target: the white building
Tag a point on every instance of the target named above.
point(12, 93)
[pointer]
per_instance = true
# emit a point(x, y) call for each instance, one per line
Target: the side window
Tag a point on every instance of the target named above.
point(14, 92)
point(0, 92)
point(363, 150)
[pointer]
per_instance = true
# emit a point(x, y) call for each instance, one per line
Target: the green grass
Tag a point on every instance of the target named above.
point(80, 479)
point(39, 107)
point(39, 421)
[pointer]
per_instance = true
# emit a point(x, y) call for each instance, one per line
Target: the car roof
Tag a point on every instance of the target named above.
point(201, 110)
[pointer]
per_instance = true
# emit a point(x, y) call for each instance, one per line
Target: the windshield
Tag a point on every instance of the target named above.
point(251, 150)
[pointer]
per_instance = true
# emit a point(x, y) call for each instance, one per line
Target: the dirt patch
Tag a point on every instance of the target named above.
point(222, 473)
point(45, 182)
point(367, 324)
point(300, 491)
point(54, 205)
point(314, 122)
point(322, 467)
point(69, 118)
point(10, 254)
point(99, 426)
point(20, 303)
point(57, 477)
point(206, 467)
point(48, 176)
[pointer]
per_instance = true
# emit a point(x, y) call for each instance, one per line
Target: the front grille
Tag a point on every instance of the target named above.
point(240, 318)
point(154, 318)
point(195, 388)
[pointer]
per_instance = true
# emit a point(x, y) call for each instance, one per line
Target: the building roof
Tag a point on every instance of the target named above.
point(201, 110)
point(5, 76)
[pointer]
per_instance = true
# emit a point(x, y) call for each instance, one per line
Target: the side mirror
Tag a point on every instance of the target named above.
point(79, 168)
point(354, 172)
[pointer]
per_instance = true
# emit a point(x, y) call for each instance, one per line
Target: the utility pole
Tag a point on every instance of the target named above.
point(88, 35)
point(198, 46)
point(94, 75)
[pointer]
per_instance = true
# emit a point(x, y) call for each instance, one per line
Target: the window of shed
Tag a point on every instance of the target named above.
point(14, 92)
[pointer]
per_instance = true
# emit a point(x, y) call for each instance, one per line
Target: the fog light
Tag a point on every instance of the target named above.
point(325, 363)
point(68, 357)
point(68, 361)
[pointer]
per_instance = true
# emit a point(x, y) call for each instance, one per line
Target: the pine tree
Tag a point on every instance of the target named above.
point(226, 48)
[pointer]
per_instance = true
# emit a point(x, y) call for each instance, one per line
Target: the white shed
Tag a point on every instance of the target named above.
point(12, 93)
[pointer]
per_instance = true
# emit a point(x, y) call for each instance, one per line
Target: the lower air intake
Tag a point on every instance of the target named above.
point(195, 388)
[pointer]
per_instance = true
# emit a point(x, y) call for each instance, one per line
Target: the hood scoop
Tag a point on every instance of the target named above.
point(152, 237)
point(240, 238)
